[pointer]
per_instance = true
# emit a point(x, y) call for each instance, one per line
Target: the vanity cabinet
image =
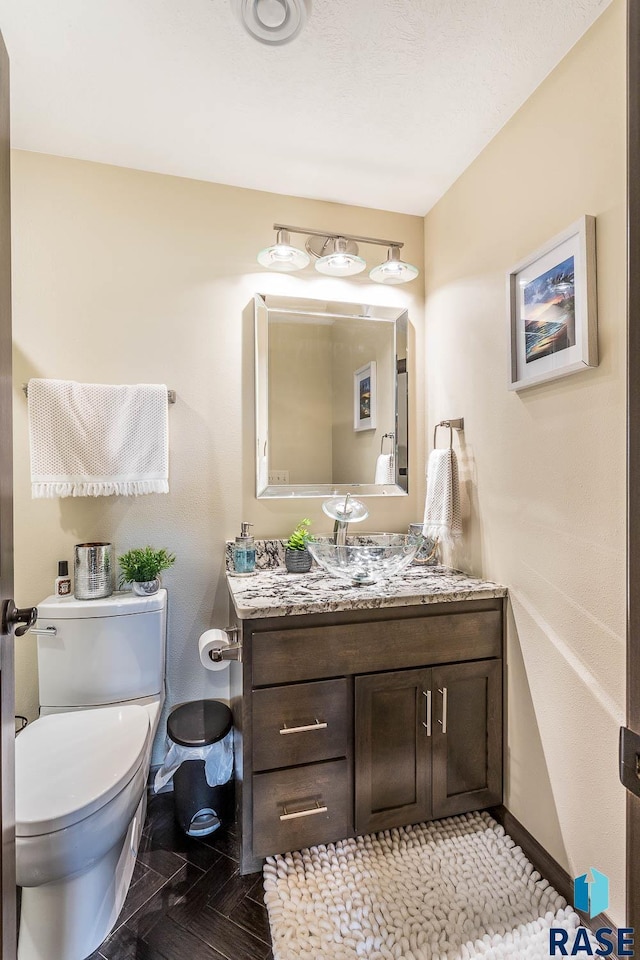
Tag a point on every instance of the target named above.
point(428, 743)
point(392, 749)
point(467, 737)
point(363, 720)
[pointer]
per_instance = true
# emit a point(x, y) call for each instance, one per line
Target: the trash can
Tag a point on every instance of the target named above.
point(200, 757)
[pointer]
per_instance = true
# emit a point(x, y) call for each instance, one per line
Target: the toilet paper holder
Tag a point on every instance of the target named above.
point(231, 652)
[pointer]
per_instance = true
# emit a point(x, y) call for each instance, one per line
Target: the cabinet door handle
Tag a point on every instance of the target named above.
point(443, 722)
point(316, 725)
point(427, 725)
point(318, 808)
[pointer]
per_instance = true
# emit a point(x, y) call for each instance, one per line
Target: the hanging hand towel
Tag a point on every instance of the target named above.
point(442, 516)
point(385, 472)
point(94, 440)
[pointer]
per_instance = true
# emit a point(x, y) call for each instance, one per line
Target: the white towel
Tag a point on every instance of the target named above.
point(442, 516)
point(94, 440)
point(385, 471)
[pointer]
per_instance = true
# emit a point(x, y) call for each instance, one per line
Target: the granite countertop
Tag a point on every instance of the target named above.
point(273, 592)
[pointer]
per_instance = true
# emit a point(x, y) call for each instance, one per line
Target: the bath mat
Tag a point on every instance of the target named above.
point(452, 889)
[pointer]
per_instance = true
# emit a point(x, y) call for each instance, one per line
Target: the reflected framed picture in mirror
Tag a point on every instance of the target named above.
point(364, 397)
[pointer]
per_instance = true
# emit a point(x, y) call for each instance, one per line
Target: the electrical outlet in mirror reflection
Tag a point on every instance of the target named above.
point(278, 476)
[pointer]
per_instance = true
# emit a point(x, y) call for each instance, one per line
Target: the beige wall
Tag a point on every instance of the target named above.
point(355, 453)
point(300, 410)
point(123, 276)
point(311, 398)
point(545, 469)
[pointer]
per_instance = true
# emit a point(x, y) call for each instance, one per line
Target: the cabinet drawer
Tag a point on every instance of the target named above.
point(308, 653)
point(299, 724)
point(313, 800)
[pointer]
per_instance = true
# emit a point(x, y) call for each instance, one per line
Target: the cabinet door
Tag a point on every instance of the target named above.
point(467, 737)
point(392, 749)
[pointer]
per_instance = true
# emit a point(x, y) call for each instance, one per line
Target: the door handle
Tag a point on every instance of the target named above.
point(427, 725)
point(629, 760)
point(443, 722)
point(12, 616)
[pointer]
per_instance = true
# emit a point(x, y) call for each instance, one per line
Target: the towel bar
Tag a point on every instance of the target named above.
point(452, 425)
point(171, 394)
point(386, 436)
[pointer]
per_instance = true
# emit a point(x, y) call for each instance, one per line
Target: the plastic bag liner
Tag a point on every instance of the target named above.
point(218, 761)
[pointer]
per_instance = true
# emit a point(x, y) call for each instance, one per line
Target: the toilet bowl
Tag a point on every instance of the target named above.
point(82, 769)
point(80, 805)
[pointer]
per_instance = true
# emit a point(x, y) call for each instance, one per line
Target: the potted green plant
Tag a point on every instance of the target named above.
point(142, 566)
point(296, 556)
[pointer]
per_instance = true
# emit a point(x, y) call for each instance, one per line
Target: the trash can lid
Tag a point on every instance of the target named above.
point(199, 723)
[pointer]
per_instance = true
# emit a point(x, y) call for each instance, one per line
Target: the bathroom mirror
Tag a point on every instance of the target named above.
point(331, 397)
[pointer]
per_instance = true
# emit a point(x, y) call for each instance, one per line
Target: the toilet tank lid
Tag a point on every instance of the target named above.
point(119, 604)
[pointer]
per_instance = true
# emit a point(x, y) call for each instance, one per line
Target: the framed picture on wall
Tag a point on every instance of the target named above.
point(553, 328)
point(364, 397)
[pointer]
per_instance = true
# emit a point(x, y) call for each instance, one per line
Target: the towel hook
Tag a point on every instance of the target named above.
point(452, 425)
point(386, 436)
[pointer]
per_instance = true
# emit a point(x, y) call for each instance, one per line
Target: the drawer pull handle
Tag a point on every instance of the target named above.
point(319, 808)
point(443, 722)
point(316, 725)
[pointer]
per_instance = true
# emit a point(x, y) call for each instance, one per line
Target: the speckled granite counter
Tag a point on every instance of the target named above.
point(276, 593)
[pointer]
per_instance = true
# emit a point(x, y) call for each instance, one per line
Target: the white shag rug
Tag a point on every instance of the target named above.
point(452, 889)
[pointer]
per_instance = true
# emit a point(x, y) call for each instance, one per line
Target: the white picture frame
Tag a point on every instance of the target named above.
point(552, 307)
point(364, 397)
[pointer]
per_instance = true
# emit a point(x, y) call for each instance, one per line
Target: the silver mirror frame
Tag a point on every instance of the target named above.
point(263, 303)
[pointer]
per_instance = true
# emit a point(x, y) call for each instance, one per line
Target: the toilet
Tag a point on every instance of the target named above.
point(82, 768)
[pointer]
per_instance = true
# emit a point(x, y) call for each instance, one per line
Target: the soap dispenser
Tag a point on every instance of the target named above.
point(244, 551)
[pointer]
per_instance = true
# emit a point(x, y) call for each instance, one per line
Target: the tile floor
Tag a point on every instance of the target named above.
point(187, 900)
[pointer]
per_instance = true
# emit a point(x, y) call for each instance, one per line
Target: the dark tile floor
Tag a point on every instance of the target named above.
point(187, 900)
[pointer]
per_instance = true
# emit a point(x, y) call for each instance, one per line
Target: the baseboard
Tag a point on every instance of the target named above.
point(546, 866)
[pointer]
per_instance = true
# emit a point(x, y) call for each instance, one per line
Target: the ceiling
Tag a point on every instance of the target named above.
point(381, 103)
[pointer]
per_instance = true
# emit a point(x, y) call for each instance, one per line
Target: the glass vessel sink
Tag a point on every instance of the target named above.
point(368, 558)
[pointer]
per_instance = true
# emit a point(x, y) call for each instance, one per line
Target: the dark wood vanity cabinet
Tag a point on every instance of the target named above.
point(349, 723)
point(392, 749)
point(428, 743)
point(467, 737)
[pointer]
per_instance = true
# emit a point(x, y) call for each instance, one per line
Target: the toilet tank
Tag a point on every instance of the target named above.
point(102, 651)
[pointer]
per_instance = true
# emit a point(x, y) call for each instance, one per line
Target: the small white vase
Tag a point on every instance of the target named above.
point(146, 588)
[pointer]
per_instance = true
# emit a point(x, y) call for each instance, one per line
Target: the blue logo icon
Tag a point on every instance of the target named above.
point(591, 896)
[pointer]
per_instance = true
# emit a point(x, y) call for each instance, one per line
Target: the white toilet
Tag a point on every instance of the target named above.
point(82, 768)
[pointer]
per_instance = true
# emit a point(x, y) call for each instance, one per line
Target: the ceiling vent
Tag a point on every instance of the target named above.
point(273, 22)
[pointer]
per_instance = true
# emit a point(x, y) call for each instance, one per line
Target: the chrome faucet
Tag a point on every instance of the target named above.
point(344, 510)
point(340, 528)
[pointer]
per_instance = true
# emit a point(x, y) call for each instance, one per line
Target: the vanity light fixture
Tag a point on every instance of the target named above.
point(336, 255)
point(340, 262)
point(282, 256)
point(394, 270)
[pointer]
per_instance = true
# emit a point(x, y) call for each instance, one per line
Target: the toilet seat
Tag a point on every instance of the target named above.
point(69, 765)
